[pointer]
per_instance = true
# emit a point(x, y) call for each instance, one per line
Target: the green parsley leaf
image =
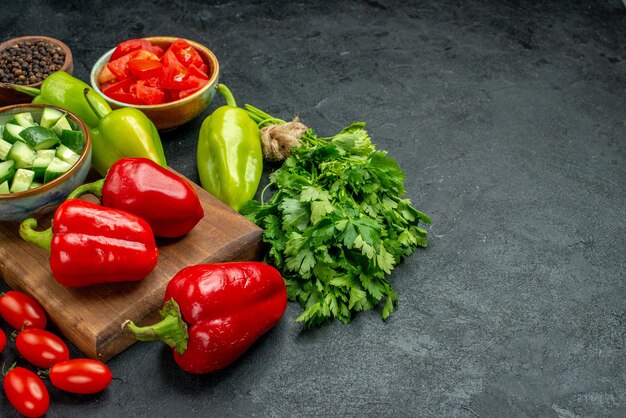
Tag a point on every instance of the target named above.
point(337, 224)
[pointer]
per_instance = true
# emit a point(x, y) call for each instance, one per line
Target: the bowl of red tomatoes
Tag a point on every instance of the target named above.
point(172, 80)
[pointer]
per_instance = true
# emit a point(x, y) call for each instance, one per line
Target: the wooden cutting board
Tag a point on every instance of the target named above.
point(91, 317)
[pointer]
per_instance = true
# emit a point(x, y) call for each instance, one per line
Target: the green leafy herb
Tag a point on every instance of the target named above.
point(337, 223)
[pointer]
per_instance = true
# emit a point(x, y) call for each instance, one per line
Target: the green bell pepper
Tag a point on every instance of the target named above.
point(229, 156)
point(123, 133)
point(65, 91)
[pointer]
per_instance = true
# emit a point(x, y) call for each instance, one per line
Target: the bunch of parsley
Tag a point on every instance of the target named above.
point(337, 223)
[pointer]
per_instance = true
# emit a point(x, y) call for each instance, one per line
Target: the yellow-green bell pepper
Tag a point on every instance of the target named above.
point(65, 91)
point(123, 133)
point(229, 156)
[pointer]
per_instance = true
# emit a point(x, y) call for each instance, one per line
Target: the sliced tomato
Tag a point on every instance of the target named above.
point(142, 54)
point(193, 70)
point(149, 95)
point(122, 91)
point(121, 86)
point(145, 68)
point(154, 81)
point(142, 74)
point(105, 75)
point(173, 71)
point(158, 51)
point(119, 67)
point(131, 45)
point(184, 93)
point(124, 97)
point(185, 53)
point(105, 86)
point(193, 82)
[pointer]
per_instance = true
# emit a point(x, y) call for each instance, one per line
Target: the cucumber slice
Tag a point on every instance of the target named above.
point(42, 160)
point(4, 187)
point(74, 140)
point(35, 184)
point(12, 132)
point(61, 124)
point(7, 170)
point(12, 121)
point(5, 147)
point(67, 154)
point(22, 154)
point(55, 169)
point(49, 117)
point(24, 119)
point(22, 180)
point(2, 131)
point(39, 137)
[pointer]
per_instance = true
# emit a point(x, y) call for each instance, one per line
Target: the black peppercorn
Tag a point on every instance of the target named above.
point(30, 62)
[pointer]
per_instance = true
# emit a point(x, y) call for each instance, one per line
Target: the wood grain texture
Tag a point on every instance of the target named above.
point(91, 317)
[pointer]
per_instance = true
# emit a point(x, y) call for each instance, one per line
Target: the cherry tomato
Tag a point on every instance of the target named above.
point(26, 392)
point(20, 310)
point(41, 348)
point(81, 375)
point(3, 341)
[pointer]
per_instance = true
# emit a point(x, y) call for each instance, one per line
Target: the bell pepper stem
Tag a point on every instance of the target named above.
point(172, 330)
point(227, 94)
point(31, 91)
point(39, 238)
point(95, 188)
point(98, 112)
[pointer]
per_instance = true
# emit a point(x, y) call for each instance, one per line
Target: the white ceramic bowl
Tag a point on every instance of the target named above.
point(43, 199)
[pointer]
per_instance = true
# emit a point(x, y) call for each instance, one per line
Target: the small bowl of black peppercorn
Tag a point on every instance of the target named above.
point(27, 61)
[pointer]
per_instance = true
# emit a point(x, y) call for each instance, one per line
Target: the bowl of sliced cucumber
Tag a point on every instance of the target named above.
point(45, 153)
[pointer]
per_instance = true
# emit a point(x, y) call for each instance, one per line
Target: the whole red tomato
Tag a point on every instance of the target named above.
point(26, 392)
point(3, 341)
point(41, 348)
point(81, 375)
point(21, 311)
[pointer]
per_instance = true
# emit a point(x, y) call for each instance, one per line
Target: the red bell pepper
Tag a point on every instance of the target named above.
point(91, 244)
point(140, 186)
point(214, 312)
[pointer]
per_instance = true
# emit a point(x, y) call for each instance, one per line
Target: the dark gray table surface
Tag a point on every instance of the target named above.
point(509, 120)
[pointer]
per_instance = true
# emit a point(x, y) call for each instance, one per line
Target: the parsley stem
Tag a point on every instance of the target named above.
point(263, 193)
